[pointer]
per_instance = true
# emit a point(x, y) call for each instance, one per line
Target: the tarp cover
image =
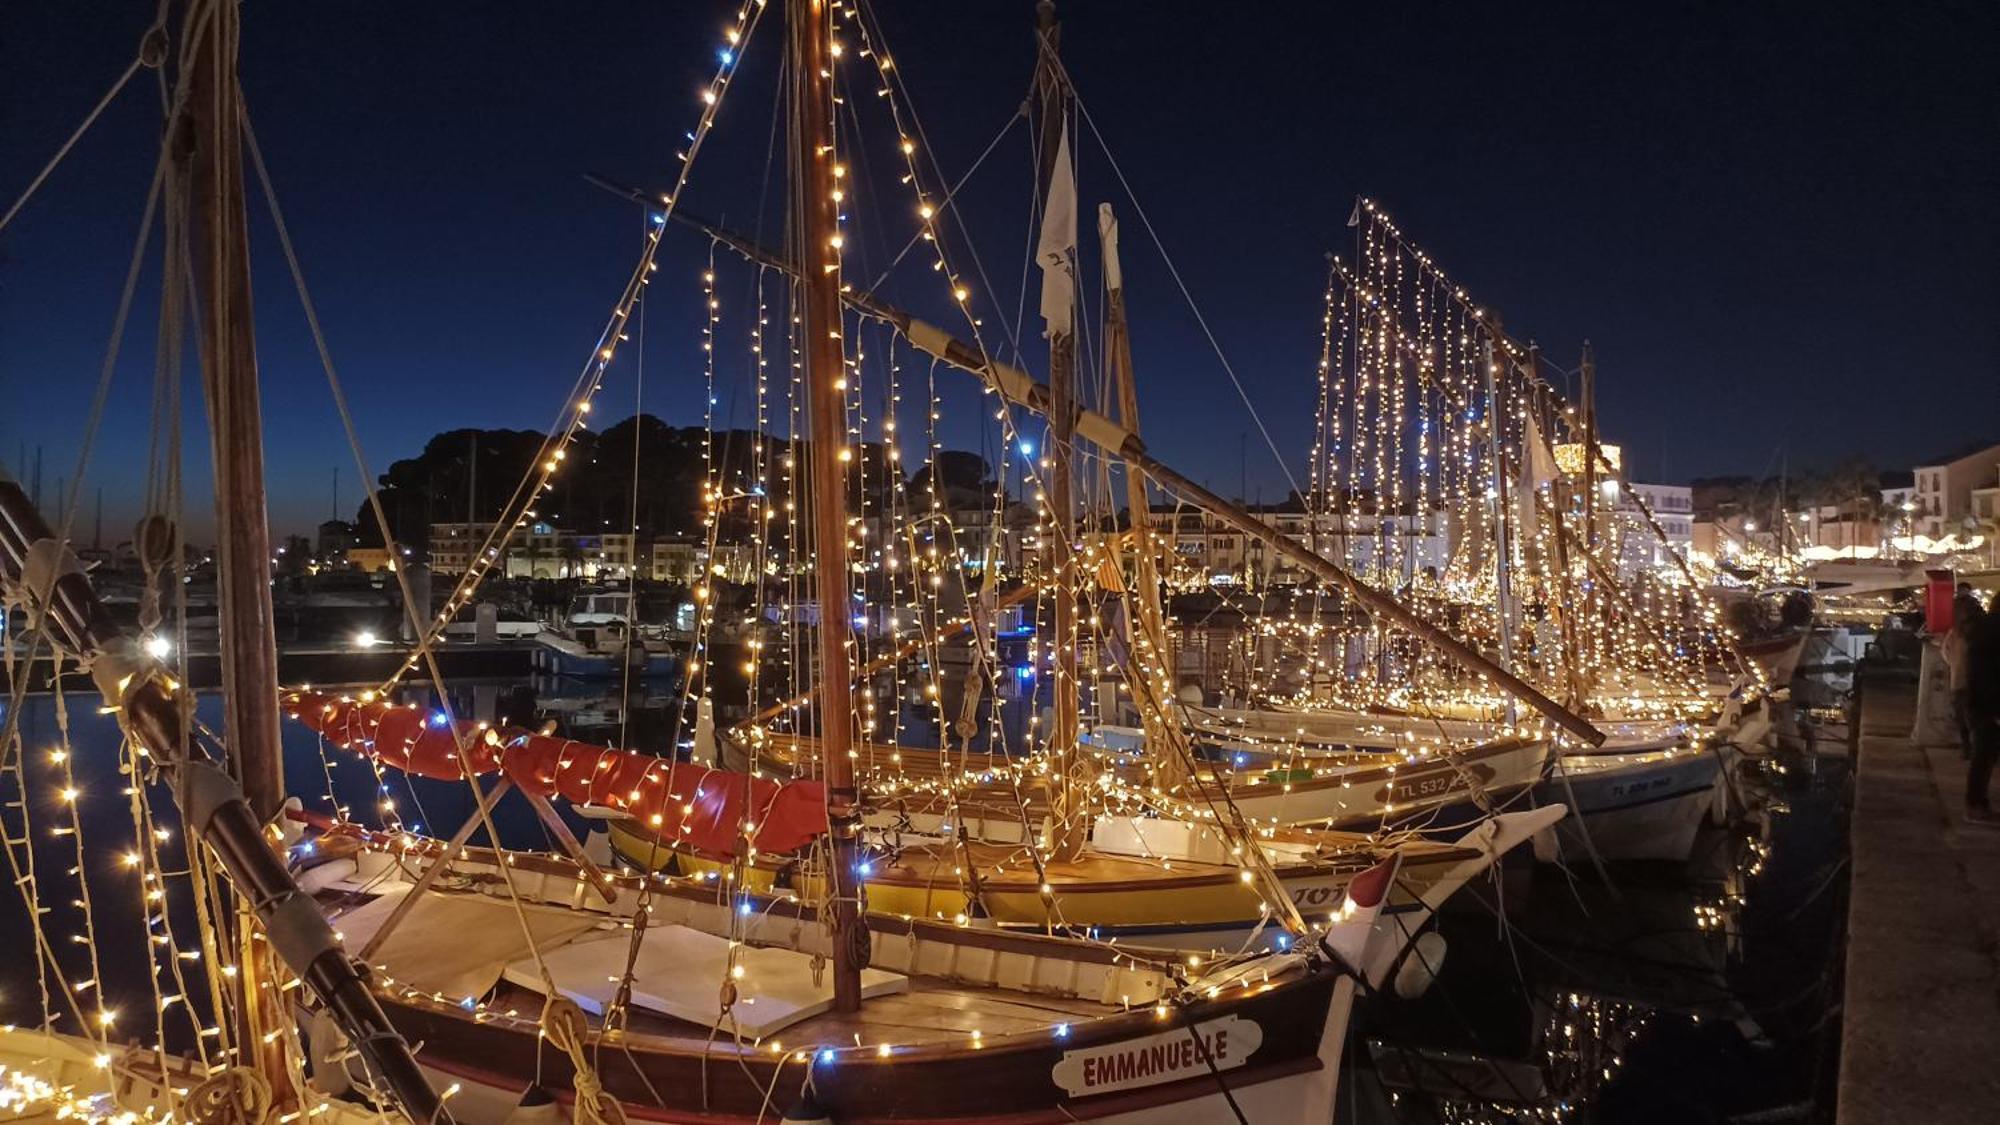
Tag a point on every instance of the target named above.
point(679, 973)
point(455, 945)
point(707, 809)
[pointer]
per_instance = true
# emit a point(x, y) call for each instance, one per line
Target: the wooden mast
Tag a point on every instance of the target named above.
point(816, 229)
point(1170, 767)
point(1503, 538)
point(209, 162)
point(1591, 537)
point(1068, 793)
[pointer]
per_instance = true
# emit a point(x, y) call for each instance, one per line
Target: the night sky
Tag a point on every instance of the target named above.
point(1776, 222)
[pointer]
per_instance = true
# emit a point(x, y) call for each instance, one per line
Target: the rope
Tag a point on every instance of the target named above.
point(236, 1096)
point(147, 57)
point(949, 197)
point(1172, 271)
point(103, 392)
point(563, 1023)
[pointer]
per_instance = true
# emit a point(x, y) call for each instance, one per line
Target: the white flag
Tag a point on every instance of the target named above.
point(1057, 249)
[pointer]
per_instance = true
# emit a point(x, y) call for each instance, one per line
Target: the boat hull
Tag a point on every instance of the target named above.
point(1632, 807)
point(1443, 791)
point(558, 656)
point(1288, 1076)
point(1210, 913)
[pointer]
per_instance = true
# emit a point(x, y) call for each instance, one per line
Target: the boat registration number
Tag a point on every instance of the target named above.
point(1169, 1056)
point(1641, 785)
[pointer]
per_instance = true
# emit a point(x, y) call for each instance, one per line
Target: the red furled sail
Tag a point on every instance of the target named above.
point(713, 811)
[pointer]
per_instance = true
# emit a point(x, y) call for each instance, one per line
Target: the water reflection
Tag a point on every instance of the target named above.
point(1672, 995)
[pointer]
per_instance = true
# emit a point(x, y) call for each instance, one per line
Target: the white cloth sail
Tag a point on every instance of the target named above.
point(1539, 463)
point(1107, 237)
point(1056, 251)
point(1538, 469)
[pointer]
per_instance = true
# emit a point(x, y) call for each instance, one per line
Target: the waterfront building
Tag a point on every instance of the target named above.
point(1212, 552)
point(675, 559)
point(368, 560)
point(1672, 506)
point(334, 539)
point(540, 550)
point(1944, 488)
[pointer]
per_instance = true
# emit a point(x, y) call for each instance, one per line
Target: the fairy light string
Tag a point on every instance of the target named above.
point(519, 511)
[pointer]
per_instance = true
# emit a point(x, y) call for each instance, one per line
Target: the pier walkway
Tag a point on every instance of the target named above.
point(1921, 1025)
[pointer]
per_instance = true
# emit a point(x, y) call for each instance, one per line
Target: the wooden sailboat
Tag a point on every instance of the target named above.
point(924, 1019)
point(973, 813)
point(633, 995)
point(1645, 790)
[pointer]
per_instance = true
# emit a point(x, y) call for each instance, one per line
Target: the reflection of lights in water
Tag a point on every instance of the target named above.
point(1583, 1043)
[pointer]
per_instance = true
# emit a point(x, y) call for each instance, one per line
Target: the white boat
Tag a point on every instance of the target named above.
point(1644, 805)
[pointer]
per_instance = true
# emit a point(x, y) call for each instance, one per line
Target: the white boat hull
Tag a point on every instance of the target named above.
point(1631, 807)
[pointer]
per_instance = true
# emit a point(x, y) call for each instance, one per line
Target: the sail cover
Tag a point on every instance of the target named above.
point(710, 810)
point(1056, 251)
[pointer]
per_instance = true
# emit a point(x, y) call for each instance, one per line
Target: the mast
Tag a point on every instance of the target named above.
point(209, 163)
point(1502, 526)
point(1148, 627)
point(816, 227)
point(1590, 448)
point(208, 159)
point(274, 921)
point(1057, 251)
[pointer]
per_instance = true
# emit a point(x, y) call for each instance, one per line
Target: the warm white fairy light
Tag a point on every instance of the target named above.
point(519, 511)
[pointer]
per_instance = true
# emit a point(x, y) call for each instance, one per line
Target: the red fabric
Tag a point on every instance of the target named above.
point(680, 802)
point(409, 739)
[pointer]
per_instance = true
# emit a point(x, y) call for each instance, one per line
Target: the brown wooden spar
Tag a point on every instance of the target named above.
point(816, 230)
point(1146, 658)
point(207, 169)
point(209, 164)
point(1021, 389)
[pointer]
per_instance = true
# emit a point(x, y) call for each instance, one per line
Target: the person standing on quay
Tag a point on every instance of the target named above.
point(1982, 671)
point(1965, 618)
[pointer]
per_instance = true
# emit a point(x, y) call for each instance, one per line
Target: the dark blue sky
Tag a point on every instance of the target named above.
point(1776, 222)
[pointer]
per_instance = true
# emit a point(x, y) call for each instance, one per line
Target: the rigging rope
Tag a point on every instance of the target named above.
point(149, 56)
point(1172, 270)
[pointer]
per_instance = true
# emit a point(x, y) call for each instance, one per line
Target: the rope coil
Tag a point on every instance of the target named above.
point(563, 1024)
